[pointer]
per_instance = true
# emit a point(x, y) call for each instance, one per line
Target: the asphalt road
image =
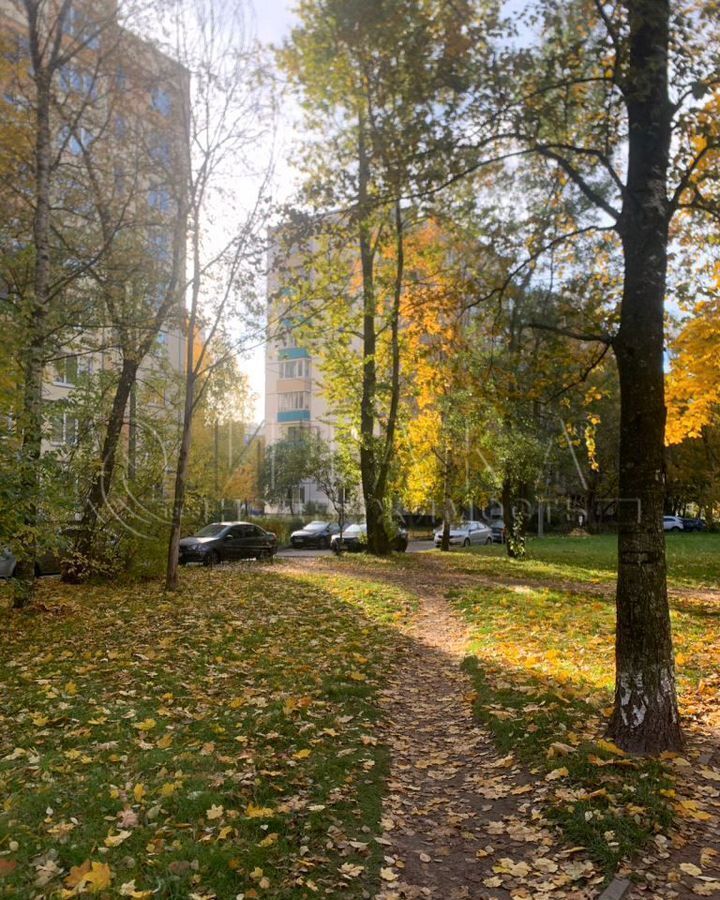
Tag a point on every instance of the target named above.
point(289, 553)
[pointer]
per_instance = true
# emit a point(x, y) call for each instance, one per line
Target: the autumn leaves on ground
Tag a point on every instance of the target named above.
point(311, 729)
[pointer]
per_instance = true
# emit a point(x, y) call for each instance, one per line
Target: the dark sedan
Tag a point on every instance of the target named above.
point(314, 534)
point(229, 541)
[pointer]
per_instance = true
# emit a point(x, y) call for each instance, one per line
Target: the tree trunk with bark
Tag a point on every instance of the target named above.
point(79, 565)
point(645, 718)
point(31, 414)
point(173, 560)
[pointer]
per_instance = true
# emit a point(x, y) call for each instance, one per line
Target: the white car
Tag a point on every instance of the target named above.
point(673, 523)
point(467, 533)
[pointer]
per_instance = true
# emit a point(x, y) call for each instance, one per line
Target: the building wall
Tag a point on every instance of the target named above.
point(132, 103)
point(294, 398)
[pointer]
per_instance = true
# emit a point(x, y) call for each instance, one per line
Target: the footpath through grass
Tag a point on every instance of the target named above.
point(209, 744)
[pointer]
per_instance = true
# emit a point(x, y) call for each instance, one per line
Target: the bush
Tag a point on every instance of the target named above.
point(282, 526)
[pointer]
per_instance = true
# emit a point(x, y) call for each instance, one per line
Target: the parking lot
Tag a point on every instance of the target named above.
point(289, 552)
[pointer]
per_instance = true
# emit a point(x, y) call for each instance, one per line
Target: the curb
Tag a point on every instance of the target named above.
point(616, 890)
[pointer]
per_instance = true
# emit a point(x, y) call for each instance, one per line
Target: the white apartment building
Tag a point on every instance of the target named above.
point(294, 398)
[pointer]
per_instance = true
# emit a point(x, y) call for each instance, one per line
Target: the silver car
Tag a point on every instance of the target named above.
point(467, 533)
point(46, 564)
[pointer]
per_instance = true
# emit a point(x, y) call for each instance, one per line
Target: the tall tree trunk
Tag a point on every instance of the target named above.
point(171, 579)
point(645, 717)
point(96, 498)
point(447, 502)
point(31, 414)
point(368, 457)
point(508, 516)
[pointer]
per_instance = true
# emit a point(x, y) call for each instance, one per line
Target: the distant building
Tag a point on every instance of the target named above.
point(294, 400)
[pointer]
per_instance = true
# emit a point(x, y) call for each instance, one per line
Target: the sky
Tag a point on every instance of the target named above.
point(273, 21)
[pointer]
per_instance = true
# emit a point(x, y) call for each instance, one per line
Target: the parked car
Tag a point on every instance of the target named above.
point(48, 563)
point(693, 524)
point(314, 534)
point(354, 539)
point(222, 541)
point(673, 523)
point(497, 527)
point(467, 533)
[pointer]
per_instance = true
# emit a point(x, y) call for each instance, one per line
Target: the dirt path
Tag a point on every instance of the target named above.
point(459, 820)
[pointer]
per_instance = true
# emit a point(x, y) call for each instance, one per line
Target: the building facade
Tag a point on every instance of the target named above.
point(120, 156)
point(295, 403)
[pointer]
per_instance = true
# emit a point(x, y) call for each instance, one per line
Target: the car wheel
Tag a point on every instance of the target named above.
point(466, 542)
point(324, 543)
point(675, 528)
point(488, 541)
point(212, 559)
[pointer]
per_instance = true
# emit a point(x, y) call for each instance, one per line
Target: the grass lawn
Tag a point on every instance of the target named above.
point(214, 743)
point(693, 560)
point(542, 665)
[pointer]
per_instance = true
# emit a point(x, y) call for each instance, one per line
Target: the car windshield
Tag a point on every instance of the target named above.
point(353, 530)
point(314, 526)
point(211, 530)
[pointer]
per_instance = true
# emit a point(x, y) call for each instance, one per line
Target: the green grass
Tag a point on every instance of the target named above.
point(542, 670)
point(693, 560)
point(211, 743)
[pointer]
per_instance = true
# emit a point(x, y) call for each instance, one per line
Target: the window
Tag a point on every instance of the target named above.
point(75, 141)
point(294, 400)
point(159, 199)
point(161, 101)
point(160, 151)
point(120, 127)
point(119, 179)
point(159, 244)
point(67, 370)
point(63, 428)
point(287, 339)
point(77, 25)
point(299, 432)
point(71, 79)
point(295, 368)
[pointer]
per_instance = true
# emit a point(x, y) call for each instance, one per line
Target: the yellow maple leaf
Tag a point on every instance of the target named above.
point(610, 747)
point(215, 812)
point(259, 812)
point(139, 792)
point(302, 754)
point(164, 742)
point(99, 877)
point(146, 725)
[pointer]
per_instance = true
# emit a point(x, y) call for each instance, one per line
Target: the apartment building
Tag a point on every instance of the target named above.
point(119, 132)
point(294, 399)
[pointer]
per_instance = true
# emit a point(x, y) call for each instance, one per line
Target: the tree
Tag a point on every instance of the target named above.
point(47, 289)
point(287, 463)
point(595, 85)
point(227, 119)
point(392, 66)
